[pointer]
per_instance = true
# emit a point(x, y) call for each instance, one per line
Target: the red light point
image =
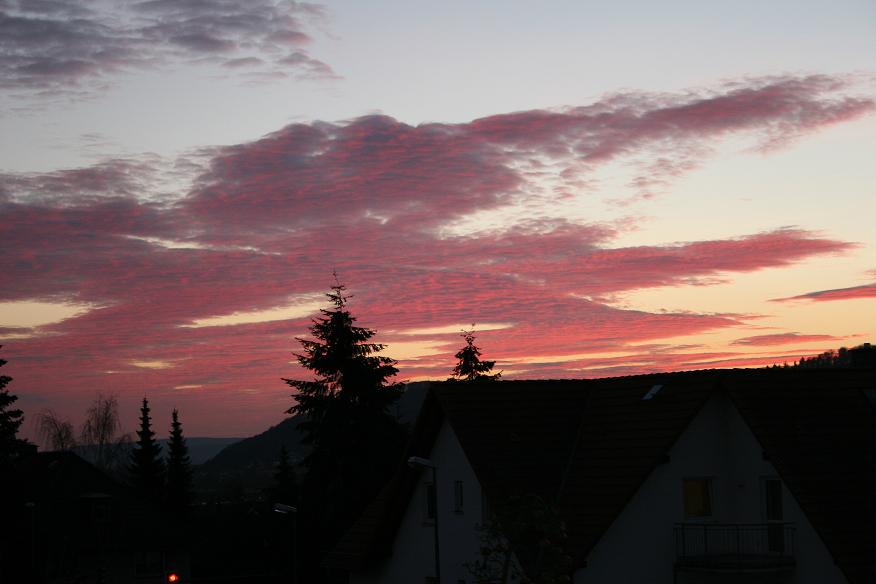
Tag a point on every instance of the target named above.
point(172, 578)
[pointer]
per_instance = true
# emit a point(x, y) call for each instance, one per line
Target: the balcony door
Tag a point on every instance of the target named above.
point(774, 514)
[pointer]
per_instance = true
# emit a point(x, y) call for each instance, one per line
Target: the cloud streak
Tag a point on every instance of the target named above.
point(782, 339)
point(81, 46)
point(851, 293)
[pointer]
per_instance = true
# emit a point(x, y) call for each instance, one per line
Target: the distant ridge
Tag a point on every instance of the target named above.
point(203, 449)
point(251, 460)
point(200, 449)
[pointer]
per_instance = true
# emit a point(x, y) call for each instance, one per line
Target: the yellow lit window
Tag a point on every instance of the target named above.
point(697, 497)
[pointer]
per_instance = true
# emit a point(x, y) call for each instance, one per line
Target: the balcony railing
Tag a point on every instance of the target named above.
point(734, 545)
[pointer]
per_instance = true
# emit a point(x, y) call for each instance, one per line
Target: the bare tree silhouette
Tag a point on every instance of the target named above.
point(55, 432)
point(100, 432)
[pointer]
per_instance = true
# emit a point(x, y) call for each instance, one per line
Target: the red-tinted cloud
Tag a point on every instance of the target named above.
point(80, 186)
point(381, 169)
point(852, 293)
point(782, 339)
point(375, 199)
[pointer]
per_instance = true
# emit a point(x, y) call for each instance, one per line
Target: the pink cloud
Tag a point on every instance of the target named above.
point(373, 198)
point(852, 293)
point(378, 168)
point(782, 339)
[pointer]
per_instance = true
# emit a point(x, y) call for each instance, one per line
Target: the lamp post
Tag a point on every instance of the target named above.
point(284, 509)
point(420, 462)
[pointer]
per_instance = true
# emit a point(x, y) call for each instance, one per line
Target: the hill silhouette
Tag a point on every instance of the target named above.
point(247, 466)
point(200, 449)
point(203, 449)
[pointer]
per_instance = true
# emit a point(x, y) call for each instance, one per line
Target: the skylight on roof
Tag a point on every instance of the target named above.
point(652, 392)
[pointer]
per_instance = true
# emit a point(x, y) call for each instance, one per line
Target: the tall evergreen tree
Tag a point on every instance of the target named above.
point(11, 447)
point(469, 366)
point(346, 410)
point(179, 468)
point(147, 468)
point(349, 376)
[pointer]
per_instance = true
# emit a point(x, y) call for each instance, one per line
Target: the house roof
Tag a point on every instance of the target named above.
point(818, 429)
point(622, 439)
point(59, 481)
point(588, 445)
point(61, 475)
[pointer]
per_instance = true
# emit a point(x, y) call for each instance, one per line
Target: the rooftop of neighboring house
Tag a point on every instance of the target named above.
point(65, 490)
point(588, 445)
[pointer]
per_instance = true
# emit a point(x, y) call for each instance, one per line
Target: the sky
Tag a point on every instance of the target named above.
point(600, 189)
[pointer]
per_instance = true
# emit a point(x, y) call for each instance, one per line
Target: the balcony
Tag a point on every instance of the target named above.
point(745, 549)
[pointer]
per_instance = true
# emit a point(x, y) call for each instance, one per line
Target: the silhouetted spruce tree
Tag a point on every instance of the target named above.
point(147, 468)
point(11, 447)
point(469, 366)
point(356, 441)
point(179, 468)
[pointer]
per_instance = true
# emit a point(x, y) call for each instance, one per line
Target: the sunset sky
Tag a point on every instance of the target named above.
point(603, 188)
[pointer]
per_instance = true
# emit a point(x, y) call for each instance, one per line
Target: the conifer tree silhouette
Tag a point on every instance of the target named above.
point(179, 468)
point(469, 366)
point(11, 447)
point(147, 468)
point(346, 412)
point(349, 376)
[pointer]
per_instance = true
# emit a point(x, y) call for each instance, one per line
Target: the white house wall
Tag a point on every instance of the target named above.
point(640, 547)
point(413, 552)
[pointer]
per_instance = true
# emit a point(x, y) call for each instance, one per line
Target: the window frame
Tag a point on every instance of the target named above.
point(458, 497)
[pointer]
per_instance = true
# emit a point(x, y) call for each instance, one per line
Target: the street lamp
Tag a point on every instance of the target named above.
point(420, 463)
point(284, 509)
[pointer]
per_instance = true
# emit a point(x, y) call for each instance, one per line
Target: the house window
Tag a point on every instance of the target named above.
point(458, 500)
point(697, 495)
point(774, 514)
point(430, 502)
point(772, 499)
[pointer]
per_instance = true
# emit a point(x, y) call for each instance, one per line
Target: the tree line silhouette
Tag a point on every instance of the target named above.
point(863, 355)
point(165, 479)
